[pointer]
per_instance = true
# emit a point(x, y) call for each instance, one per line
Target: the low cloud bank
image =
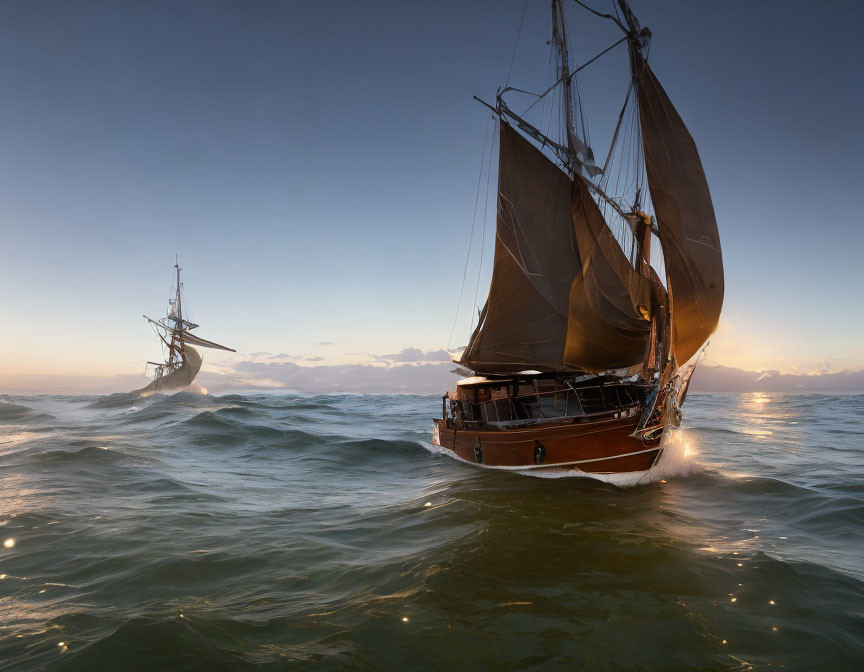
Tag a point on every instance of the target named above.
point(388, 377)
point(424, 378)
point(435, 378)
point(416, 355)
point(728, 379)
point(48, 384)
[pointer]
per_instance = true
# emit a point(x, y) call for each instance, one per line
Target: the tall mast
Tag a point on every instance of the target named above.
point(559, 34)
point(639, 37)
point(179, 310)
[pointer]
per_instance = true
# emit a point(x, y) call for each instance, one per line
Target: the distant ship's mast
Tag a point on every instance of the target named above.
point(176, 355)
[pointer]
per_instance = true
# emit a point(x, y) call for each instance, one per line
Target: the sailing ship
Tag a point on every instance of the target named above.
point(182, 361)
point(582, 356)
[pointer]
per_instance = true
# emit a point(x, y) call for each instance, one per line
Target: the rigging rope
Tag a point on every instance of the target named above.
point(518, 33)
point(552, 107)
point(483, 235)
point(586, 138)
point(471, 239)
point(615, 136)
point(572, 75)
point(602, 16)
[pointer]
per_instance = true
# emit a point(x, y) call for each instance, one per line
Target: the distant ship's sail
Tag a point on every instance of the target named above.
point(196, 340)
point(685, 216)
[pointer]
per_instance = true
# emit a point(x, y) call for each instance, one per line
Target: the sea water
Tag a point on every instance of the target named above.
point(279, 531)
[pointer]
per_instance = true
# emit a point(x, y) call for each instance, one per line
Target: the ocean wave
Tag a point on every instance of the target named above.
point(86, 455)
point(14, 413)
point(116, 400)
point(280, 531)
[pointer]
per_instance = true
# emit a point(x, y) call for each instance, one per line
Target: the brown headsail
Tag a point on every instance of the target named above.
point(685, 216)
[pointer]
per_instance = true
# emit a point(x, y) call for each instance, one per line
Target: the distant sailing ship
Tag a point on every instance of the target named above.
point(580, 356)
point(182, 361)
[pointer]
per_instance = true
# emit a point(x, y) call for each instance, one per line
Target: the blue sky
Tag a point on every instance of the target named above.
point(315, 167)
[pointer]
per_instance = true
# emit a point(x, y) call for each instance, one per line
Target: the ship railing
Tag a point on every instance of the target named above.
point(631, 411)
point(554, 404)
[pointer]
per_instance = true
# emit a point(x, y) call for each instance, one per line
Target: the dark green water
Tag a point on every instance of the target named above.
point(284, 532)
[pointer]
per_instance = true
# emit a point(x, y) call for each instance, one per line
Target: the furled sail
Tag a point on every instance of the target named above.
point(524, 325)
point(195, 340)
point(685, 216)
point(609, 323)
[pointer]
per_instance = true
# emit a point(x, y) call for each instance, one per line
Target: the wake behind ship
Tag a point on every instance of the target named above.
point(580, 356)
point(182, 361)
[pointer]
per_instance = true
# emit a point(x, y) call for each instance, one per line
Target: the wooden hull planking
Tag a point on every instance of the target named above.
point(176, 380)
point(598, 447)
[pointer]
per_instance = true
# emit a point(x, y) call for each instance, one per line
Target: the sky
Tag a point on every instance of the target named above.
point(315, 168)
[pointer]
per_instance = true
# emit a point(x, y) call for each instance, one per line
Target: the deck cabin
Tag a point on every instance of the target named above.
point(502, 402)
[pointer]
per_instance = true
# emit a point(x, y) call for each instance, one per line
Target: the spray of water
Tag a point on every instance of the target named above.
point(680, 455)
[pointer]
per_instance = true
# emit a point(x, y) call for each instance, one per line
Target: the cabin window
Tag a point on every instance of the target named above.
point(574, 406)
point(502, 408)
point(552, 404)
point(592, 399)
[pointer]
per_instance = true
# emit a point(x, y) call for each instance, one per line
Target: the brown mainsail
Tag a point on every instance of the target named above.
point(685, 216)
point(563, 296)
point(578, 349)
point(524, 323)
point(606, 328)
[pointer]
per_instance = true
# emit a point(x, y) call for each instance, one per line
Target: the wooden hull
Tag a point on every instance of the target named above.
point(176, 380)
point(601, 446)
